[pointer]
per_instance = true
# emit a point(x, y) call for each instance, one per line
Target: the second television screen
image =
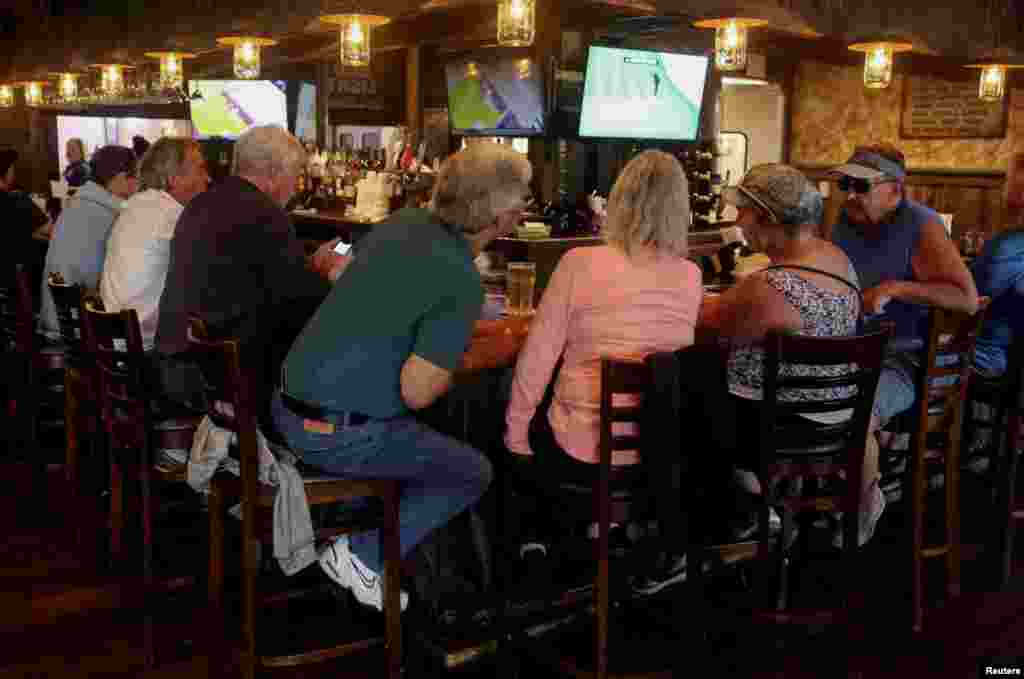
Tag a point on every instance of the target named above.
point(637, 94)
point(495, 96)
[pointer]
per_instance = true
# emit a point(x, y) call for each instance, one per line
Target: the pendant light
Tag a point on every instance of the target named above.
point(247, 58)
point(172, 68)
point(354, 45)
point(994, 66)
point(730, 40)
point(6, 96)
point(878, 57)
point(33, 93)
point(516, 22)
point(67, 87)
point(111, 79)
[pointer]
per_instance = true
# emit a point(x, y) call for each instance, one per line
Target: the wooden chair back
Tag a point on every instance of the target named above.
point(1008, 426)
point(17, 322)
point(943, 377)
point(113, 341)
point(227, 392)
point(856, 363)
point(67, 299)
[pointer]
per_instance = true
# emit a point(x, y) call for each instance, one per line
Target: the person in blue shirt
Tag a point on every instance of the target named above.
point(999, 275)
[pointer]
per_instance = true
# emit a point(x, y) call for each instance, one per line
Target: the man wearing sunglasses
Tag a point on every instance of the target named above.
point(904, 260)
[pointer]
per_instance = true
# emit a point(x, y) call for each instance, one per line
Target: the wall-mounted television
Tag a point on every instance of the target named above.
point(227, 108)
point(495, 96)
point(642, 94)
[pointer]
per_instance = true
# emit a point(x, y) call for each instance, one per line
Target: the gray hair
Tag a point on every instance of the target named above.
point(649, 205)
point(164, 160)
point(783, 193)
point(477, 183)
point(267, 151)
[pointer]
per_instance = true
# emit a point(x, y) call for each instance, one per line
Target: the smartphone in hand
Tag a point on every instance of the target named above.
point(342, 248)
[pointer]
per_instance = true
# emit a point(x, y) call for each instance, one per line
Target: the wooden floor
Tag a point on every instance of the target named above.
point(61, 615)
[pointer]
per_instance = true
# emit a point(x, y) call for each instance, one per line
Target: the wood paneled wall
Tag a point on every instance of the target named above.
point(976, 201)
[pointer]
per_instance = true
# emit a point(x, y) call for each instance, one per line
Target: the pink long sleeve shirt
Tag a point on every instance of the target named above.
point(598, 303)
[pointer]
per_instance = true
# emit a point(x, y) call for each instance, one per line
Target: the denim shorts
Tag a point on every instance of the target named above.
point(896, 383)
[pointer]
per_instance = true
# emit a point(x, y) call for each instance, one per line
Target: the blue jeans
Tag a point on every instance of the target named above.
point(439, 476)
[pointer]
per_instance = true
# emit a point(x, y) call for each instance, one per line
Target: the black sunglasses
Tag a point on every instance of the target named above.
point(857, 184)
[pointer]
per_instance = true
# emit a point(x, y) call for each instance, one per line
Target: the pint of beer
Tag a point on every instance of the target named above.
point(521, 278)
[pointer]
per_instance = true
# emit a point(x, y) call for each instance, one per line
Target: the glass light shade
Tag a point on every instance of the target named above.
point(112, 80)
point(247, 60)
point(472, 71)
point(68, 86)
point(731, 47)
point(172, 74)
point(878, 67)
point(6, 96)
point(523, 68)
point(516, 26)
point(33, 94)
point(355, 42)
point(992, 84)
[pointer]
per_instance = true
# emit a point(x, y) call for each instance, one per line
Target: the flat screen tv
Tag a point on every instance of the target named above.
point(640, 94)
point(227, 108)
point(495, 96)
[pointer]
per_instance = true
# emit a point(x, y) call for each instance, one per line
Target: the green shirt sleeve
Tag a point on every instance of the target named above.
point(443, 333)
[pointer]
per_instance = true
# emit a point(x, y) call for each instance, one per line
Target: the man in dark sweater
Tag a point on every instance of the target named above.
point(236, 263)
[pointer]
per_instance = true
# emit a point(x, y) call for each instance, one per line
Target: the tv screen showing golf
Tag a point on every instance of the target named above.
point(230, 107)
point(638, 94)
point(497, 97)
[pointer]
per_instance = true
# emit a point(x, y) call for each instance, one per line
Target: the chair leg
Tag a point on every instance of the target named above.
point(250, 571)
point(952, 488)
point(215, 581)
point(602, 594)
point(391, 549)
point(916, 509)
point(72, 456)
point(1007, 503)
point(116, 508)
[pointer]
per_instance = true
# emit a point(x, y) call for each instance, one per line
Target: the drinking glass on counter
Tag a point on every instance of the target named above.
point(521, 278)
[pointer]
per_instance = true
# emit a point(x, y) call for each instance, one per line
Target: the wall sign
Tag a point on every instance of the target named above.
point(942, 109)
point(376, 97)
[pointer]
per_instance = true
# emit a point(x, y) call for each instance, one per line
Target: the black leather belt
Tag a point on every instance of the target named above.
point(308, 411)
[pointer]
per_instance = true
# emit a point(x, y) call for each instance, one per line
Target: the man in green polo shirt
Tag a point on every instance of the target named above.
point(386, 342)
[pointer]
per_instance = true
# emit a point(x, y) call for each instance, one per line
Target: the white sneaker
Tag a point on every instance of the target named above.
point(346, 569)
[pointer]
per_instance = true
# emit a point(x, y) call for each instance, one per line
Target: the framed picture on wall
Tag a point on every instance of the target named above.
point(934, 108)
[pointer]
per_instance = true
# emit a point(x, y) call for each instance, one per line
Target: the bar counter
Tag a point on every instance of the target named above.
point(325, 225)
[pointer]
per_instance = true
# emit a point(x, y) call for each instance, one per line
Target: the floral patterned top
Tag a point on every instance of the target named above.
point(823, 314)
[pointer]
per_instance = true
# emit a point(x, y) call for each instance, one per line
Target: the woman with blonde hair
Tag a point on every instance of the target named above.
point(635, 296)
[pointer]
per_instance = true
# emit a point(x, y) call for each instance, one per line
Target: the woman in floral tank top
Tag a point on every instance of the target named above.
point(780, 210)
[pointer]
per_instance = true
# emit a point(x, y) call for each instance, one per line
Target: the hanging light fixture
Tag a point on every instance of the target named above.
point(516, 22)
point(730, 40)
point(878, 57)
point(246, 54)
point(472, 71)
point(111, 79)
point(994, 66)
point(6, 96)
point(33, 93)
point(354, 37)
point(67, 86)
point(172, 68)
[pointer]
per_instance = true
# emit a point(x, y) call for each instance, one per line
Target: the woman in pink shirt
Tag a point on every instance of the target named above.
point(635, 296)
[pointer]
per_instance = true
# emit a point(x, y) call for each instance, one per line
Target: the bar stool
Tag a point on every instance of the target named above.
point(34, 370)
point(231, 407)
point(80, 411)
point(1008, 422)
point(937, 424)
point(617, 494)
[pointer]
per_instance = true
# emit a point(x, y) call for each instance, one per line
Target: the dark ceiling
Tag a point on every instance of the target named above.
point(38, 36)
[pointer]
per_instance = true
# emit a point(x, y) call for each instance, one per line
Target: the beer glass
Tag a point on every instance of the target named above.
point(519, 282)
